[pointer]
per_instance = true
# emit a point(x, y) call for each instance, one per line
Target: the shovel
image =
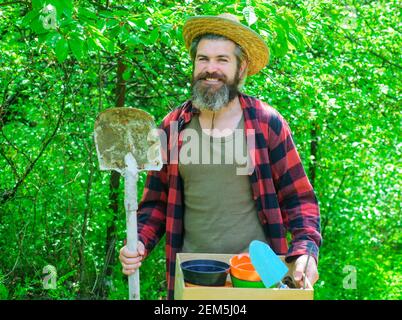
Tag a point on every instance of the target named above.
point(268, 265)
point(126, 142)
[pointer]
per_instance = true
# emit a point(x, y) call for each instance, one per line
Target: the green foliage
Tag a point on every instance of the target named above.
point(334, 74)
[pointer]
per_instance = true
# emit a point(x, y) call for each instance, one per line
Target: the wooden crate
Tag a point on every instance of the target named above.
point(183, 292)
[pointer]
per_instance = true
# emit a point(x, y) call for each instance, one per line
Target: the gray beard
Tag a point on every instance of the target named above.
point(205, 98)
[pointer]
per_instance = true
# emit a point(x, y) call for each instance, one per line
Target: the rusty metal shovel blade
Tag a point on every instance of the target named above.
point(126, 141)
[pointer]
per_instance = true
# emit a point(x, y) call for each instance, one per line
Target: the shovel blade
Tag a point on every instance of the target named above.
point(119, 131)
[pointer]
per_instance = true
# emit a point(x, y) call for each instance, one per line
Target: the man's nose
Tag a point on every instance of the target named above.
point(212, 67)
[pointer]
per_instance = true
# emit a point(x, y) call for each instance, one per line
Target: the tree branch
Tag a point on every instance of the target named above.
point(9, 194)
point(385, 59)
point(14, 146)
point(10, 163)
point(374, 33)
point(13, 2)
point(331, 203)
point(151, 83)
point(107, 7)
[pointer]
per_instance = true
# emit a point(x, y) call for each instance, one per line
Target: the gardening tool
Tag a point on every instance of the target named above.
point(126, 142)
point(305, 268)
point(268, 265)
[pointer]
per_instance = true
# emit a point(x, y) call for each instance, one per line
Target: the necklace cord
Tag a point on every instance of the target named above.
point(212, 127)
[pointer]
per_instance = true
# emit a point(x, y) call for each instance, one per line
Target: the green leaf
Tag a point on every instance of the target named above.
point(68, 25)
point(134, 40)
point(29, 17)
point(280, 45)
point(87, 14)
point(52, 38)
point(61, 50)
point(290, 20)
point(296, 39)
point(165, 39)
point(166, 27)
point(37, 25)
point(141, 24)
point(282, 22)
point(124, 34)
point(120, 13)
point(95, 43)
point(77, 47)
point(153, 36)
point(38, 4)
point(68, 7)
point(107, 44)
point(126, 74)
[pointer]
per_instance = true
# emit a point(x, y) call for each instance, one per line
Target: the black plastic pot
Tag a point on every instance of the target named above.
point(205, 272)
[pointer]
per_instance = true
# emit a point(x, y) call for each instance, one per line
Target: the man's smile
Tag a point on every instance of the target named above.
point(212, 80)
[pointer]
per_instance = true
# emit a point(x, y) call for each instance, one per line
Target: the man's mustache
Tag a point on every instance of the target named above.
point(214, 75)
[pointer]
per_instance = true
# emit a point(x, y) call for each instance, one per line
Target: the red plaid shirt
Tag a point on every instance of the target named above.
point(284, 196)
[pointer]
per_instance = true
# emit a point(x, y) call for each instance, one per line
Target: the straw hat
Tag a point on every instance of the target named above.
point(229, 26)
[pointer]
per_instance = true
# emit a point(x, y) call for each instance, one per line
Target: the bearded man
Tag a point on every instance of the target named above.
point(203, 202)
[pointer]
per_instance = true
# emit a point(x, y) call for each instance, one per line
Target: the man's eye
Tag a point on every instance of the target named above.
point(223, 60)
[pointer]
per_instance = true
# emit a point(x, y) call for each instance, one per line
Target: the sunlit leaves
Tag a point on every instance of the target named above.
point(77, 46)
point(61, 50)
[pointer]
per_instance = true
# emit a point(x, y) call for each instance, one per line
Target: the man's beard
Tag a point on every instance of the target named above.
point(207, 97)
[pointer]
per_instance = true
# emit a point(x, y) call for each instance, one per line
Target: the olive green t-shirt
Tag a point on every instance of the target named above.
point(220, 215)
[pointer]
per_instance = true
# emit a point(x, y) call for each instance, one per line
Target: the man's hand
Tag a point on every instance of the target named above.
point(311, 272)
point(130, 260)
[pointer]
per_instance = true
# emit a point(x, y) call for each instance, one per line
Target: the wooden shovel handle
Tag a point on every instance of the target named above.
point(130, 203)
point(132, 239)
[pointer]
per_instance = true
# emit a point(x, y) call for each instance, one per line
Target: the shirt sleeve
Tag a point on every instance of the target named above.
point(152, 209)
point(297, 200)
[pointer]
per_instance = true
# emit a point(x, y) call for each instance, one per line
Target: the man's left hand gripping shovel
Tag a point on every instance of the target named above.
point(126, 141)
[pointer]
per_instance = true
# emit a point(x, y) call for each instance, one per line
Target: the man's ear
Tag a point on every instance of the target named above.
point(243, 68)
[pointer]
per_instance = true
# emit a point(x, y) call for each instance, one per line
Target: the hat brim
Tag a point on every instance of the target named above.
point(255, 47)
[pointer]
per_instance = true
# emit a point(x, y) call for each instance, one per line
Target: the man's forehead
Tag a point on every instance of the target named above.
point(216, 47)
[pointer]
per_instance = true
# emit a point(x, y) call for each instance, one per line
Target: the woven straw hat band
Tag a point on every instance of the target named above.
point(227, 25)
